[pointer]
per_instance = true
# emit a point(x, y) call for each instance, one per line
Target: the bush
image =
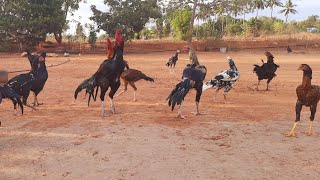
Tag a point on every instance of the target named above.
point(234, 29)
point(253, 26)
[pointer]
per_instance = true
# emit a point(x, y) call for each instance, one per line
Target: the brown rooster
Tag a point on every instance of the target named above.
point(308, 95)
point(130, 76)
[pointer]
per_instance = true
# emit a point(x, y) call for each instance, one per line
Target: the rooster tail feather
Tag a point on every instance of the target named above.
point(147, 78)
point(208, 85)
point(178, 94)
point(88, 84)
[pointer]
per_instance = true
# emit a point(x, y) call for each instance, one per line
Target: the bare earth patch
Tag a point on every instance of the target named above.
point(240, 140)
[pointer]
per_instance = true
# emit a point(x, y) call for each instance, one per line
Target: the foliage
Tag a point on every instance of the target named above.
point(288, 9)
point(92, 37)
point(180, 22)
point(253, 26)
point(128, 15)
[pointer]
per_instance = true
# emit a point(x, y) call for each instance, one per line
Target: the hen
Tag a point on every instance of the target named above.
point(225, 79)
point(130, 76)
point(308, 95)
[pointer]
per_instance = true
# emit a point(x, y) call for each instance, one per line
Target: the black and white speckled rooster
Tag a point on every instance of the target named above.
point(225, 79)
point(172, 62)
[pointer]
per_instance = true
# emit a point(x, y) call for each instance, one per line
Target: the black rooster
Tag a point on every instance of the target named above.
point(193, 76)
point(108, 75)
point(289, 50)
point(30, 56)
point(8, 93)
point(40, 76)
point(21, 85)
point(172, 62)
point(267, 70)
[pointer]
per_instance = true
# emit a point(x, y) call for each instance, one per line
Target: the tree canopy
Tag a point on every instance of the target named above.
point(129, 15)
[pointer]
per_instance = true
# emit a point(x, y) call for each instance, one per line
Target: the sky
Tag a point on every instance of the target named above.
point(305, 8)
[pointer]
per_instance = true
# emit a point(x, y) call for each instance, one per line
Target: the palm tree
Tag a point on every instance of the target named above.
point(258, 4)
point(273, 3)
point(288, 8)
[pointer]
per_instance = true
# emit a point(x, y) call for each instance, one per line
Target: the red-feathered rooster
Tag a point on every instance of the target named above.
point(308, 95)
point(108, 75)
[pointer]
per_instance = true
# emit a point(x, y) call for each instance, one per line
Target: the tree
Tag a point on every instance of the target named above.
point(128, 15)
point(273, 3)
point(92, 37)
point(258, 4)
point(288, 9)
point(180, 22)
point(30, 20)
point(68, 6)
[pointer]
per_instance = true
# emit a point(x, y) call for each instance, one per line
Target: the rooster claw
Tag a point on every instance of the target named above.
point(310, 133)
point(181, 116)
point(198, 113)
point(291, 134)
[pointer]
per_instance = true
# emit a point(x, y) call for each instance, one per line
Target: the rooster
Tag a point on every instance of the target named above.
point(267, 70)
point(192, 78)
point(21, 84)
point(30, 56)
point(225, 79)
point(40, 76)
point(289, 50)
point(172, 62)
point(192, 55)
point(108, 75)
point(308, 95)
point(7, 92)
point(130, 76)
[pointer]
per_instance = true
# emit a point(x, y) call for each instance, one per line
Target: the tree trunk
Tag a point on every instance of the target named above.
point(286, 18)
point(195, 4)
point(271, 11)
point(58, 38)
point(257, 13)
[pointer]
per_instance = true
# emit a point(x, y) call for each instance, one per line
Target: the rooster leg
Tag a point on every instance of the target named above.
point(310, 133)
point(257, 88)
point(292, 133)
point(29, 106)
point(113, 90)
point(135, 90)
point(179, 115)
point(16, 109)
point(125, 89)
point(113, 109)
point(197, 112)
point(102, 108)
point(313, 110)
point(198, 86)
point(215, 95)
point(298, 111)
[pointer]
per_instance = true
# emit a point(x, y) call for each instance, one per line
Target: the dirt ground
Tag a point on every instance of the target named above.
point(243, 139)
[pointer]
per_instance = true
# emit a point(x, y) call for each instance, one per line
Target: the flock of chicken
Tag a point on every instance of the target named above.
point(113, 69)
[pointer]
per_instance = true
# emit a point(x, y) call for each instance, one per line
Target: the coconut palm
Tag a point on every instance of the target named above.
point(288, 9)
point(273, 3)
point(258, 4)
